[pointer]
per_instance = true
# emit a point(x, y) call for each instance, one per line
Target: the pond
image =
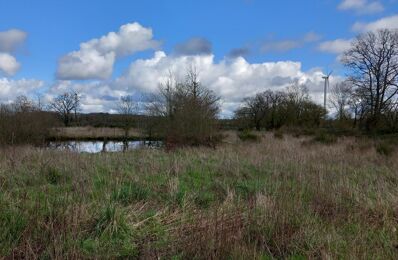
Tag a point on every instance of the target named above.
point(102, 146)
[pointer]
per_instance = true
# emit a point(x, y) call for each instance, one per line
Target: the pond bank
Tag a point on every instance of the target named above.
point(94, 133)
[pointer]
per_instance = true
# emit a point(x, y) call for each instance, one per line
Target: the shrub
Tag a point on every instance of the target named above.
point(248, 136)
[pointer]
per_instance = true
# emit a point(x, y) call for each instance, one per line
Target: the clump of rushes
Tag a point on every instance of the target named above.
point(110, 235)
point(53, 175)
point(130, 192)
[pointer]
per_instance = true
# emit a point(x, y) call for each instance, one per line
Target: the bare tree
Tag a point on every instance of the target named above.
point(274, 109)
point(161, 103)
point(373, 60)
point(66, 104)
point(358, 106)
point(296, 96)
point(127, 107)
point(392, 116)
point(23, 105)
point(254, 109)
point(297, 93)
point(339, 98)
point(186, 112)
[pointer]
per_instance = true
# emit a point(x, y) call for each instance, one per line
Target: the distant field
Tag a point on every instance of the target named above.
point(93, 133)
point(277, 197)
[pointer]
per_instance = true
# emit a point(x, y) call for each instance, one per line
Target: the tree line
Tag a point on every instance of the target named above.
point(366, 100)
point(274, 109)
point(187, 112)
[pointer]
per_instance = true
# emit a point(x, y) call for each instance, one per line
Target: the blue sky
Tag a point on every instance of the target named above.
point(260, 31)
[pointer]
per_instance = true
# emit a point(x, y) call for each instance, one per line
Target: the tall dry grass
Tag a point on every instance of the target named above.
point(89, 132)
point(276, 198)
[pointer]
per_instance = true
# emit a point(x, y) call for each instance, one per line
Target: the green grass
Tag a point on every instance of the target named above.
point(269, 199)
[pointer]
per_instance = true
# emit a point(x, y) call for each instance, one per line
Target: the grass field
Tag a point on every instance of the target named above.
point(277, 197)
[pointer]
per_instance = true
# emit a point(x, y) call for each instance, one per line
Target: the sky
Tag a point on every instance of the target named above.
point(106, 49)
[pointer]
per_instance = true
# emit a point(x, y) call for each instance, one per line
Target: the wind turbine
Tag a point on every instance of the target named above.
point(326, 78)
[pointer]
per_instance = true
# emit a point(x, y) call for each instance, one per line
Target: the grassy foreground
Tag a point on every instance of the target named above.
point(276, 198)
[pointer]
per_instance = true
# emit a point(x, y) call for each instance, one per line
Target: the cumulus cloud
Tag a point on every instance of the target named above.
point(389, 22)
point(287, 45)
point(232, 79)
point(8, 64)
point(337, 46)
point(95, 58)
point(10, 89)
point(361, 6)
point(194, 46)
point(10, 40)
point(86, 64)
point(95, 96)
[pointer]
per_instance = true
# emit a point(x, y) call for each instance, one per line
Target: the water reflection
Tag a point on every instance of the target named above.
point(102, 146)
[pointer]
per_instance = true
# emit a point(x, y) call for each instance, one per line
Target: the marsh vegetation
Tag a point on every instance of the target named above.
point(270, 198)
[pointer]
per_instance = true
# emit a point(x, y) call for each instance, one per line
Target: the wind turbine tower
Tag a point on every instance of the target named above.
point(325, 93)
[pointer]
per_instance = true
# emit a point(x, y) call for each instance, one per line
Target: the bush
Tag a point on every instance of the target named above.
point(248, 136)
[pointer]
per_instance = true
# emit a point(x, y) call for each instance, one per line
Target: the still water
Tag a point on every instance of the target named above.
point(102, 146)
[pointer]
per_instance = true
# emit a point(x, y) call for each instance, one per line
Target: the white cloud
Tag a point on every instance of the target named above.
point(390, 22)
point(10, 89)
point(86, 64)
point(232, 79)
point(8, 64)
point(361, 6)
point(95, 96)
point(96, 58)
point(337, 46)
point(11, 39)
